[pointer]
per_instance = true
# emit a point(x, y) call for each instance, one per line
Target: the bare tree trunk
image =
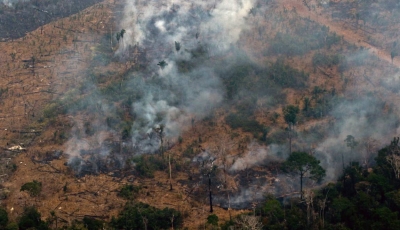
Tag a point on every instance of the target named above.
point(229, 207)
point(290, 141)
point(172, 222)
point(209, 190)
point(301, 186)
point(170, 172)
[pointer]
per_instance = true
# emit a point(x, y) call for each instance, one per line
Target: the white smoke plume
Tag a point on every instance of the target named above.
point(257, 155)
point(149, 21)
point(201, 28)
point(11, 2)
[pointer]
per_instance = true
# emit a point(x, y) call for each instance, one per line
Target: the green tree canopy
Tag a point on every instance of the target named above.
point(303, 164)
point(33, 188)
point(31, 219)
point(290, 113)
point(3, 218)
point(351, 141)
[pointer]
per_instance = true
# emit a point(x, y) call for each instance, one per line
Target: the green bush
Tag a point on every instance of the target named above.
point(12, 226)
point(146, 165)
point(33, 188)
point(92, 224)
point(212, 219)
point(129, 191)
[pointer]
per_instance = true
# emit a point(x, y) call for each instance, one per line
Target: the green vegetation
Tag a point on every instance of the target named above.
point(236, 121)
point(212, 219)
point(31, 219)
point(92, 224)
point(300, 41)
point(33, 188)
point(362, 198)
point(162, 64)
point(3, 218)
point(290, 114)
point(146, 165)
point(323, 60)
point(129, 191)
point(12, 226)
point(3, 91)
point(303, 164)
point(246, 77)
point(286, 76)
point(320, 103)
point(144, 216)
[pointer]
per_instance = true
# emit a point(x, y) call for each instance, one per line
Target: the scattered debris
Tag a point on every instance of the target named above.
point(17, 148)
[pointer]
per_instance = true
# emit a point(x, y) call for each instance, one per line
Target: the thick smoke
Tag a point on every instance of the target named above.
point(176, 83)
point(162, 23)
point(365, 120)
point(10, 3)
point(180, 85)
point(179, 32)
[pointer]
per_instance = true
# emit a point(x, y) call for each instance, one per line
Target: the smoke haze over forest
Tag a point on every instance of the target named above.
point(185, 102)
point(189, 50)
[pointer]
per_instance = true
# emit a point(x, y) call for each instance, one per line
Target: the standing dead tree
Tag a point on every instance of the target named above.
point(249, 222)
point(208, 169)
point(393, 157)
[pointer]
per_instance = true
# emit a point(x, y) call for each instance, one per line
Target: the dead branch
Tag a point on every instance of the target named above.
point(323, 72)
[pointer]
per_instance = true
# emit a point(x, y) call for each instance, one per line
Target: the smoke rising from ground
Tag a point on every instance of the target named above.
point(200, 28)
point(163, 23)
point(186, 37)
point(258, 155)
point(178, 85)
point(11, 2)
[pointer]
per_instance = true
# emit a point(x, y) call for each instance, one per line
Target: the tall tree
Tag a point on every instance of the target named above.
point(290, 115)
point(120, 35)
point(177, 46)
point(351, 143)
point(304, 165)
point(393, 54)
point(162, 64)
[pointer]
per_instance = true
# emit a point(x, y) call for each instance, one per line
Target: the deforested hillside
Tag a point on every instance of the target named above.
point(20, 17)
point(259, 114)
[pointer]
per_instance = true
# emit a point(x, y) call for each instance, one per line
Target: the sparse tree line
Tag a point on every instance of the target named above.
point(361, 198)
